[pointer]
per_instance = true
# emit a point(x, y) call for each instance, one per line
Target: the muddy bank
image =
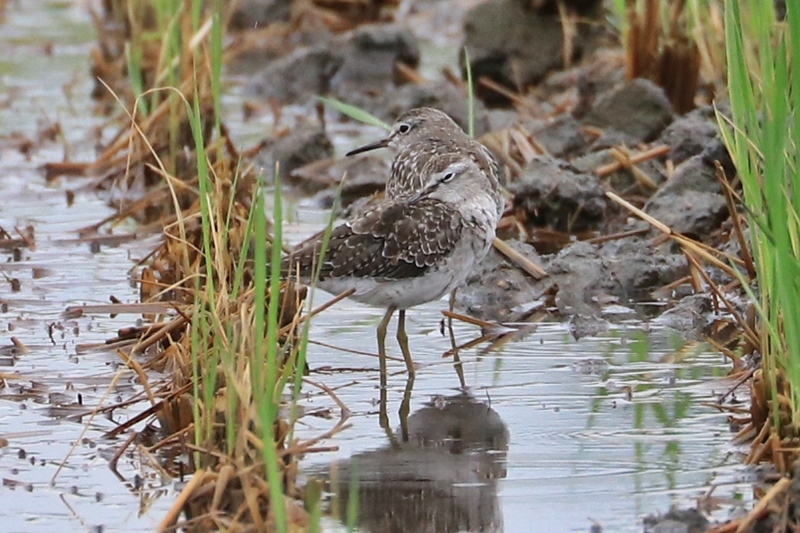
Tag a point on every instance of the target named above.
point(573, 135)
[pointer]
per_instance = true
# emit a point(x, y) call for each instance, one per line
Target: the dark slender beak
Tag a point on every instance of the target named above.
point(383, 143)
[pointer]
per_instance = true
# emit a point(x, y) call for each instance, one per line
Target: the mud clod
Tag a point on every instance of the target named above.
point(676, 521)
point(298, 76)
point(515, 44)
point(586, 326)
point(689, 316)
point(362, 60)
point(303, 145)
point(551, 193)
point(578, 269)
point(561, 137)
point(638, 270)
point(370, 57)
point(691, 202)
point(499, 290)
point(590, 276)
point(639, 109)
point(690, 134)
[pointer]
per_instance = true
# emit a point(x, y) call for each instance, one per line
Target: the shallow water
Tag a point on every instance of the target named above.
point(59, 272)
point(605, 429)
point(599, 429)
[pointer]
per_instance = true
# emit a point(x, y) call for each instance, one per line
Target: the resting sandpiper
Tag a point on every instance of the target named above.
point(421, 135)
point(410, 249)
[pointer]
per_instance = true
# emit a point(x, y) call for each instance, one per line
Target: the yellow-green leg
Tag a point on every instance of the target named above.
point(402, 340)
point(452, 302)
point(382, 327)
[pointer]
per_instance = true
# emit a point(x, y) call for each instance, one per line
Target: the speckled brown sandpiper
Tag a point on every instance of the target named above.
point(411, 249)
point(421, 135)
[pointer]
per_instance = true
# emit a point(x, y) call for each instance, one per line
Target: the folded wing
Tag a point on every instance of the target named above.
point(397, 240)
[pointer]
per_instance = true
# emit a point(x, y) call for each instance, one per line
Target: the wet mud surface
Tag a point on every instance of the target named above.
point(561, 151)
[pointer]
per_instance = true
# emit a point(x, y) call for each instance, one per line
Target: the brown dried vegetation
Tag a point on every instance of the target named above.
point(197, 287)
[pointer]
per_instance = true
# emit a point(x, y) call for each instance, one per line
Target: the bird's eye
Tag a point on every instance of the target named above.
point(449, 176)
point(403, 128)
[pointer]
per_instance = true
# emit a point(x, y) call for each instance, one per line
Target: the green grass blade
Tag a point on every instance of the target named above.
point(764, 85)
point(470, 95)
point(216, 63)
point(352, 499)
point(133, 56)
point(354, 112)
point(268, 406)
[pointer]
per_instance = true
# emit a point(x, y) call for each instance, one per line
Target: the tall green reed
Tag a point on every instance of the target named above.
point(241, 349)
point(249, 352)
point(763, 57)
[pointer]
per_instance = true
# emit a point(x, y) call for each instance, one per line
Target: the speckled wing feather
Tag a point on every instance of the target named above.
point(398, 240)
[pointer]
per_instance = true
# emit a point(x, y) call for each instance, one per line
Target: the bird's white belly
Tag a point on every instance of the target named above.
point(401, 294)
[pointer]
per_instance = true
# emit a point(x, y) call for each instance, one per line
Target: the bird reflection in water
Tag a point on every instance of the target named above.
point(442, 478)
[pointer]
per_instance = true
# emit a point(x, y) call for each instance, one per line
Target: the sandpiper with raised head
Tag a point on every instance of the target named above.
point(419, 136)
